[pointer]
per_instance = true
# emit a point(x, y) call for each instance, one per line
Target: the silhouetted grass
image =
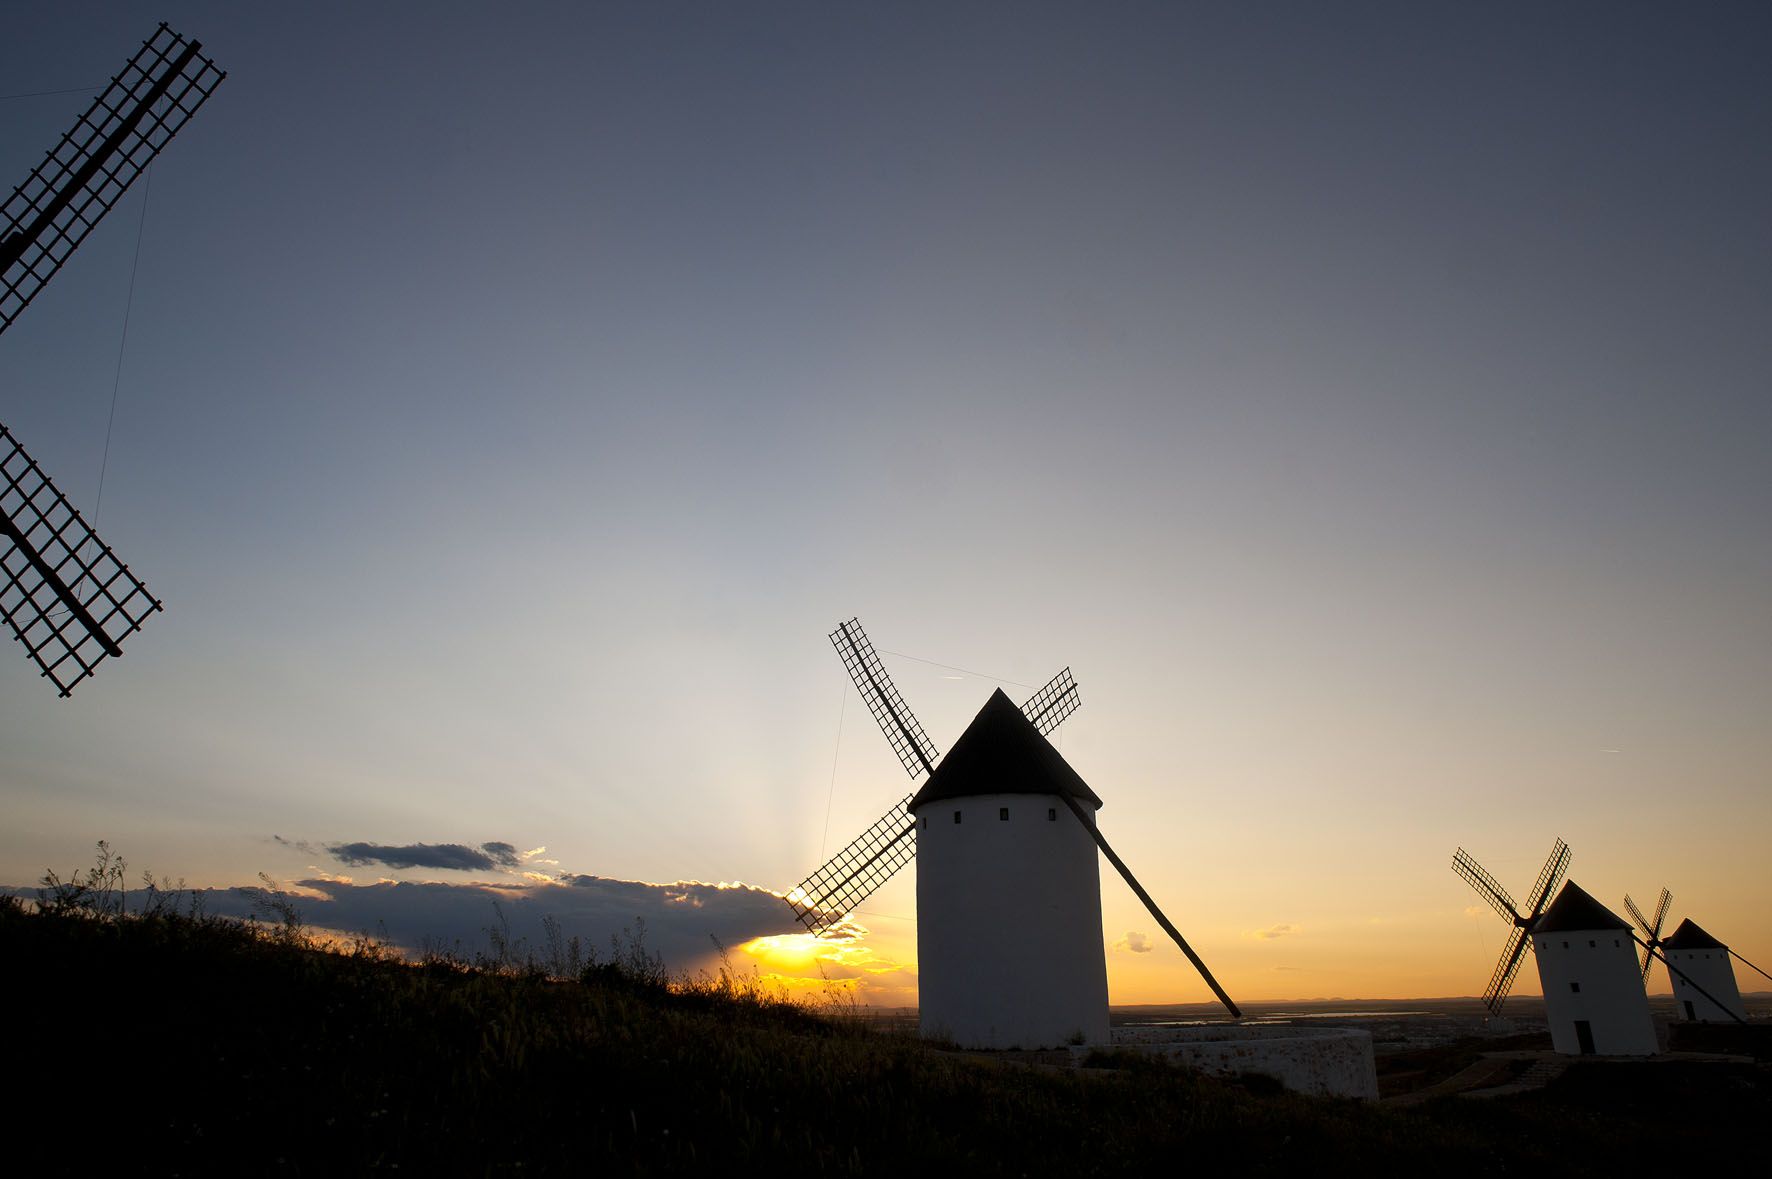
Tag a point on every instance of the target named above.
point(186, 1044)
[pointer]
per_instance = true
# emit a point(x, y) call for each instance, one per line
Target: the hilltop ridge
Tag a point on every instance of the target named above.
point(195, 1044)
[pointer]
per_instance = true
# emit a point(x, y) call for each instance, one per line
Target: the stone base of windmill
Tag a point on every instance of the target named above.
point(1325, 1062)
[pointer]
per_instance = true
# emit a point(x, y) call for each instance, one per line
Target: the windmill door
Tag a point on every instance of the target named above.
point(1584, 1036)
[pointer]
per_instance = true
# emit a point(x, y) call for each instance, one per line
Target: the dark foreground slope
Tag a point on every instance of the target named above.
point(204, 1047)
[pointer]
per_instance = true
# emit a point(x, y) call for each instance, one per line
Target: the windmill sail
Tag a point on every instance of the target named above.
point(1549, 877)
point(90, 168)
point(876, 855)
point(912, 745)
point(1048, 707)
point(1486, 885)
point(857, 872)
point(1501, 981)
point(62, 591)
point(1651, 939)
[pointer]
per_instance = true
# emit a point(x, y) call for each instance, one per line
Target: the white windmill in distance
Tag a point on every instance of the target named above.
point(1702, 976)
point(1698, 965)
point(1009, 939)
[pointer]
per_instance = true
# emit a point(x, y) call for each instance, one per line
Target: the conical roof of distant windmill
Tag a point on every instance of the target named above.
point(1689, 936)
point(1574, 908)
point(1001, 752)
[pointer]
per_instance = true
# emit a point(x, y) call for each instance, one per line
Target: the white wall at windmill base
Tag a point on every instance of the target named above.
point(1593, 993)
point(1009, 947)
point(1327, 1062)
point(1715, 975)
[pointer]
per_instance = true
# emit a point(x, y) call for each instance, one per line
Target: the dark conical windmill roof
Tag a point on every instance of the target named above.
point(1001, 752)
point(1690, 937)
point(1575, 909)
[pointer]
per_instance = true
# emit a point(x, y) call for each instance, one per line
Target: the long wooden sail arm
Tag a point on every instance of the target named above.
point(1748, 964)
point(1138, 889)
point(1688, 978)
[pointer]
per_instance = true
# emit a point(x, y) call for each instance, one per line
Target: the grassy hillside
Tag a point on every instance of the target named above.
point(185, 1045)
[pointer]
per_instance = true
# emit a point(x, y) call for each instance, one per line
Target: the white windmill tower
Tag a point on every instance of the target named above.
point(1009, 945)
point(1702, 976)
point(1593, 988)
point(1009, 939)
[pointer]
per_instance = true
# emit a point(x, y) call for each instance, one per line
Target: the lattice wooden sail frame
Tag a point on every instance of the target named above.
point(854, 874)
point(63, 592)
point(903, 731)
point(1048, 707)
point(1486, 885)
point(866, 863)
point(1513, 953)
point(1651, 929)
point(90, 168)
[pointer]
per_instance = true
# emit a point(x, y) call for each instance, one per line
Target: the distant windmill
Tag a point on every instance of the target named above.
point(67, 597)
point(1495, 994)
point(1703, 979)
point(1651, 929)
point(1698, 965)
point(1032, 891)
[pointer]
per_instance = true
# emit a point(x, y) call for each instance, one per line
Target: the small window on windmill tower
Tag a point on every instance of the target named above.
point(1003, 814)
point(1052, 814)
point(1575, 988)
point(1590, 943)
point(956, 816)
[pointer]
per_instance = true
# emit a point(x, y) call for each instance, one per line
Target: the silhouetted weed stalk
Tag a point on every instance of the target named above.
point(100, 891)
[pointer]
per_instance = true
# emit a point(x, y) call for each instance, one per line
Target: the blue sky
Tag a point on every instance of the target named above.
point(1368, 401)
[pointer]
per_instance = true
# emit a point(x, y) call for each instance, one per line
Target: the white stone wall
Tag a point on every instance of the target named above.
point(1711, 970)
point(1603, 964)
point(1009, 947)
point(1327, 1062)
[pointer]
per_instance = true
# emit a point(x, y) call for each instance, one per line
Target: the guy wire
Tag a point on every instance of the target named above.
point(842, 706)
point(117, 378)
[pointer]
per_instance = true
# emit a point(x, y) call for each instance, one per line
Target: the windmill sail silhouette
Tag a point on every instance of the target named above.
point(1651, 929)
point(839, 886)
point(848, 878)
point(65, 594)
point(1514, 952)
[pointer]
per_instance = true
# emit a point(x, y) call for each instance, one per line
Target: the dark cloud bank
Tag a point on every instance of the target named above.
point(683, 921)
point(453, 856)
point(450, 857)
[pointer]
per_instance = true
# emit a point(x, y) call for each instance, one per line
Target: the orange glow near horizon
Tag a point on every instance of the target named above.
point(844, 970)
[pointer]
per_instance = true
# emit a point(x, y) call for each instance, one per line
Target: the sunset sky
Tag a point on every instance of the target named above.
point(1369, 402)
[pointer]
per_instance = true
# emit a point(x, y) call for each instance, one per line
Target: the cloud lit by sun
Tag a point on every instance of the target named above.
point(802, 964)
